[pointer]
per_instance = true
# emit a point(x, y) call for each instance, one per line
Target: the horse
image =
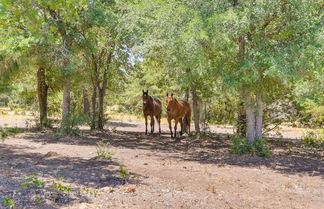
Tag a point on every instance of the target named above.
point(180, 111)
point(151, 107)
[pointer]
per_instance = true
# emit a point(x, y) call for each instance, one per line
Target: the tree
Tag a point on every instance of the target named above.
point(272, 40)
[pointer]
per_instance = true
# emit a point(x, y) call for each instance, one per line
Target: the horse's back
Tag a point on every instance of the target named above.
point(184, 103)
point(158, 105)
point(157, 101)
point(186, 106)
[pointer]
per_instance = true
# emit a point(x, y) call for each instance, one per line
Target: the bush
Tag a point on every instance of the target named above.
point(258, 147)
point(103, 150)
point(70, 126)
point(6, 132)
point(314, 138)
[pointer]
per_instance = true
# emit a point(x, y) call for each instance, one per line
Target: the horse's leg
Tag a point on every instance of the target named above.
point(145, 124)
point(152, 124)
point(181, 126)
point(175, 127)
point(169, 121)
point(158, 119)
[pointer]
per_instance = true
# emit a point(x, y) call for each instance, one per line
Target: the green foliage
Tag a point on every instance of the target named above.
point(56, 186)
point(8, 202)
point(57, 189)
point(241, 146)
point(123, 174)
point(31, 180)
point(6, 132)
point(70, 126)
point(314, 139)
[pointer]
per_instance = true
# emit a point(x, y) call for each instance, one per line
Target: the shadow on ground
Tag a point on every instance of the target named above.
point(17, 165)
point(289, 155)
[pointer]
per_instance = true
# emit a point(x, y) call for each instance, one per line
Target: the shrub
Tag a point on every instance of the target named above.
point(6, 132)
point(123, 173)
point(70, 126)
point(103, 150)
point(258, 147)
point(314, 138)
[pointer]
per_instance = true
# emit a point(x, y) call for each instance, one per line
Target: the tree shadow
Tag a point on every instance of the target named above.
point(121, 124)
point(289, 155)
point(17, 165)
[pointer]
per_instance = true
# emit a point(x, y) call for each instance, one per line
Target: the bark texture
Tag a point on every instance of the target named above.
point(250, 117)
point(66, 99)
point(195, 108)
point(86, 102)
point(42, 90)
point(259, 117)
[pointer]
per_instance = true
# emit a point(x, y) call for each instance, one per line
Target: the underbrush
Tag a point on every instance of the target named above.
point(103, 150)
point(6, 132)
point(70, 126)
point(241, 146)
point(314, 139)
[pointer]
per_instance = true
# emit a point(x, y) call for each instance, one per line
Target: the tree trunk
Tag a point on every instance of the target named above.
point(42, 90)
point(86, 103)
point(195, 107)
point(101, 116)
point(187, 95)
point(66, 99)
point(250, 117)
point(241, 120)
point(259, 117)
point(93, 109)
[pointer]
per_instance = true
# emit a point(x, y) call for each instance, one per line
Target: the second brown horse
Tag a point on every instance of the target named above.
point(180, 111)
point(151, 107)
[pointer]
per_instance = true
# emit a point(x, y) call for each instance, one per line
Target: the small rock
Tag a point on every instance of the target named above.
point(107, 189)
point(127, 189)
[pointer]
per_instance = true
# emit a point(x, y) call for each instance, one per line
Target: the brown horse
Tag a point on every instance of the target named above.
point(178, 110)
point(151, 107)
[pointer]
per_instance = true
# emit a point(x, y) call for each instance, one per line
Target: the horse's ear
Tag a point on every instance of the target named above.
point(146, 91)
point(171, 94)
point(167, 94)
point(143, 91)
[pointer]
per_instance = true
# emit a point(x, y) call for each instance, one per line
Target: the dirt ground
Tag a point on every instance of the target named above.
point(163, 172)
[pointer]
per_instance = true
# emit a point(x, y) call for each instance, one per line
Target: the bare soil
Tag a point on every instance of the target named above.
point(163, 172)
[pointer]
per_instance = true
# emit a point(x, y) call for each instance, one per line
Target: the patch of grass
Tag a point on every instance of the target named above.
point(241, 146)
point(8, 202)
point(123, 174)
point(58, 190)
point(31, 180)
point(6, 132)
point(38, 201)
point(56, 186)
point(103, 150)
point(91, 191)
point(314, 139)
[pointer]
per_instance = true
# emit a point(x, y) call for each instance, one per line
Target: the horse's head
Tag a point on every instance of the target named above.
point(145, 97)
point(169, 102)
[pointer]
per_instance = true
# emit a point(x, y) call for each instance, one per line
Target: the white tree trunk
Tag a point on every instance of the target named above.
point(250, 118)
point(259, 117)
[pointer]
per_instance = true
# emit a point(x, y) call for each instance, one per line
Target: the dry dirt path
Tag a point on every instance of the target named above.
point(165, 173)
